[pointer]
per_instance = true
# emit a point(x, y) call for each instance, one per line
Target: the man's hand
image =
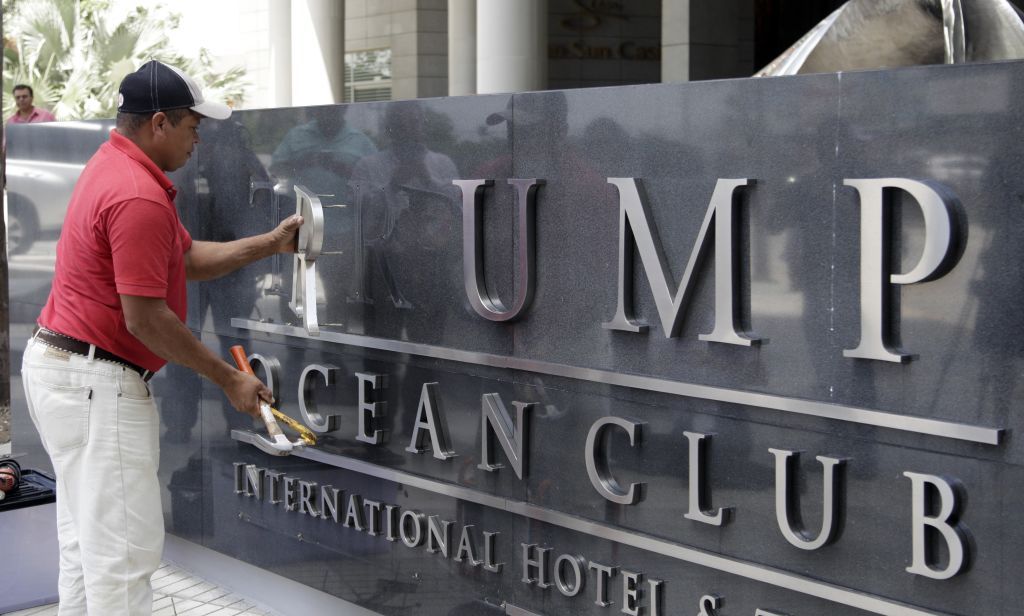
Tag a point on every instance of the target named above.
point(151, 321)
point(245, 391)
point(286, 235)
point(209, 260)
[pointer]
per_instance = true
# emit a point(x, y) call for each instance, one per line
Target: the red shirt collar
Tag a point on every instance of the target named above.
point(128, 147)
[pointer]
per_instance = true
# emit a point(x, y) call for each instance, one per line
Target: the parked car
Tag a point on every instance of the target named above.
point(41, 173)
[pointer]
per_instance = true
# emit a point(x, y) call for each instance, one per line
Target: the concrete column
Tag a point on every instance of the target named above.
point(281, 52)
point(706, 40)
point(461, 47)
point(318, 51)
point(675, 40)
point(511, 44)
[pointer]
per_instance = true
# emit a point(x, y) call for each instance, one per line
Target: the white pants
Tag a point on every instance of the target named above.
point(99, 424)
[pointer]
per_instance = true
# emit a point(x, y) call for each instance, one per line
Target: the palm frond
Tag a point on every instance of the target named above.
point(45, 34)
point(71, 53)
point(120, 44)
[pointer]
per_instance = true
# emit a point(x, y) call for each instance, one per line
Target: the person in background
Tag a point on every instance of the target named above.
point(114, 317)
point(27, 113)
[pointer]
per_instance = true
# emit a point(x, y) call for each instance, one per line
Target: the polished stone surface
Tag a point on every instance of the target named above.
point(393, 270)
point(177, 591)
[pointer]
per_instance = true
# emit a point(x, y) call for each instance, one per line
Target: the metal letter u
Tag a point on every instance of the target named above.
point(485, 301)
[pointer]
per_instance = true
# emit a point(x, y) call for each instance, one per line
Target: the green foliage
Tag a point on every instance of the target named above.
point(74, 55)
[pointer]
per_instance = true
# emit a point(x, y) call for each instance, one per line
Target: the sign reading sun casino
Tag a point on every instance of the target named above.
point(939, 546)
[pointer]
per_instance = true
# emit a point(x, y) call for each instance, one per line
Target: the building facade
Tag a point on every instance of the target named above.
point(400, 49)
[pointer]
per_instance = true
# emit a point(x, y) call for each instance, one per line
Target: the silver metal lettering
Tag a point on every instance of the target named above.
point(467, 549)
point(439, 535)
point(307, 401)
point(411, 537)
point(654, 591)
point(254, 481)
point(354, 513)
point(799, 406)
point(272, 372)
point(709, 605)
point(274, 482)
point(631, 592)
point(538, 564)
point(372, 516)
point(576, 565)
point(370, 413)
point(484, 300)
point(308, 247)
point(699, 490)
point(290, 496)
point(490, 552)
point(430, 422)
point(937, 203)
point(597, 461)
point(390, 522)
point(787, 502)
point(635, 231)
point(944, 521)
point(609, 531)
point(601, 591)
point(329, 503)
point(307, 492)
point(239, 477)
point(495, 422)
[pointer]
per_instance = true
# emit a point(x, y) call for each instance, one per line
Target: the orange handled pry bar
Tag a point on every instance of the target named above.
point(270, 415)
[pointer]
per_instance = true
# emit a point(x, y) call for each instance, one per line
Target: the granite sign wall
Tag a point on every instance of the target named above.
point(734, 347)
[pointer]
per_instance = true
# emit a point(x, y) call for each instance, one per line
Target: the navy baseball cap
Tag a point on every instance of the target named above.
point(159, 87)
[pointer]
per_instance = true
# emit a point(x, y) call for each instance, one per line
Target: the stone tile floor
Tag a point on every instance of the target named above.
point(176, 592)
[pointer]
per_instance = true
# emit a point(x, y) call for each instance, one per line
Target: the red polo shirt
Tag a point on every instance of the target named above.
point(121, 235)
point(38, 115)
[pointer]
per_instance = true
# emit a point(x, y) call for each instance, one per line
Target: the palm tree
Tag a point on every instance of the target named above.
point(73, 54)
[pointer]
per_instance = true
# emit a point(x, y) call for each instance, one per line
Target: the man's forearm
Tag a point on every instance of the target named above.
point(209, 260)
point(163, 333)
point(156, 326)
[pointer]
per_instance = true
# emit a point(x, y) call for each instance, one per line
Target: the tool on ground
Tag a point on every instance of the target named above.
point(278, 442)
point(10, 477)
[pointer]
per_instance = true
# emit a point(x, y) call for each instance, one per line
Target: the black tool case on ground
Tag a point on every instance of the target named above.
point(35, 488)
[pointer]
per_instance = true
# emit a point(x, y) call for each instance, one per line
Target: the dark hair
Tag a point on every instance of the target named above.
point(22, 86)
point(128, 123)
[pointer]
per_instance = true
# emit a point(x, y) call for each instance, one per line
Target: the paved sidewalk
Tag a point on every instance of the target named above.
point(176, 592)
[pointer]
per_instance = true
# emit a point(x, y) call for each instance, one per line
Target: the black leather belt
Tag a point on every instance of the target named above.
point(81, 347)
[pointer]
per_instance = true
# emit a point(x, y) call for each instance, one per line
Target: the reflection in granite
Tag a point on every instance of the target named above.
point(392, 269)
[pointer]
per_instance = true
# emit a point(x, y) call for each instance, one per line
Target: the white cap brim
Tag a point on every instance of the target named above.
point(210, 109)
point(205, 108)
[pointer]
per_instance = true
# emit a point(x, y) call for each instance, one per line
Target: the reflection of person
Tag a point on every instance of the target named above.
point(114, 316)
point(404, 205)
point(407, 163)
point(538, 123)
point(27, 113)
point(994, 289)
point(406, 217)
point(227, 210)
point(320, 154)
